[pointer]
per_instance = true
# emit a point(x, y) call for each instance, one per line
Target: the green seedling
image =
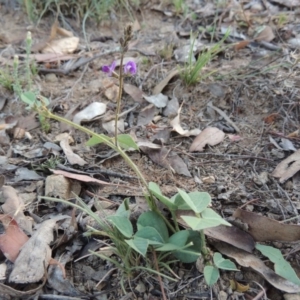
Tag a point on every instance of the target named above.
point(192, 72)
point(153, 234)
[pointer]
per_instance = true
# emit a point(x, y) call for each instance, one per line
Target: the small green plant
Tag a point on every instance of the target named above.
point(6, 79)
point(192, 72)
point(154, 232)
point(167, 51)
point(180, 7)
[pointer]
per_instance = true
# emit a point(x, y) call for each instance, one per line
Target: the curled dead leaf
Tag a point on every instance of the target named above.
point(209, 136)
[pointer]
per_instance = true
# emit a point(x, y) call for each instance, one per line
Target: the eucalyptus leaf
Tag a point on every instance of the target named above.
point(138, 244)
point(155, 190)
point(224, 264)
point(152, 219)
point(150, 234)
point(211, 275)
point(281, 266)
point(122, 224)
point(127, 142)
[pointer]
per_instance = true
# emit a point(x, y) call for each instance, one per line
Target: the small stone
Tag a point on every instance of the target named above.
point(291, 297)
point(51, 78)
point(140, 287)
point(261, 179)
point(222, 295)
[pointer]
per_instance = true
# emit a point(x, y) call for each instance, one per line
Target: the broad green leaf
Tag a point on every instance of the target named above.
point(281, 266)
point(140, 245)
point(123, 225)
point(200, 199)
point(224, 264)
point(168, 247)
point(126, 141)
point(155, 190)
point(211, 275)
point(199, 223)
point(188, 200)
point(209, 214)
point(96, 139)
point(183, 238)
point(29, 98)
point(152, 219)
point(150, 234)
point(123, 209)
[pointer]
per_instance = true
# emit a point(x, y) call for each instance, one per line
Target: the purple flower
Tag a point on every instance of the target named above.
point(109, 69)
point(130, 67)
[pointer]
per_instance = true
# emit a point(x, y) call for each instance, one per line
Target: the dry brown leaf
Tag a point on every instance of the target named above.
point(14, 206)
point(209, 136)
point(167, 159)
point(158, 88)
point(264, 229)
point(13, 239)
point(288, 3)
point(133, 91)
point(241, 45)
point(7, 291)
point(175, 123)
point(248, 260)
point(288, 167)
point(266, 34)
point(146, 115)
point(62, 46)
point(80, 177)
point(93, 110)
point(233, 236)
point(33, 260)
point(72, 157)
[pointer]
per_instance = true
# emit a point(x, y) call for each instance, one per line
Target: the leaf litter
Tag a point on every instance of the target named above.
point(240, 106)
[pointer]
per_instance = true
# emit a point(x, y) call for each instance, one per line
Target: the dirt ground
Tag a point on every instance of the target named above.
point(253, 97)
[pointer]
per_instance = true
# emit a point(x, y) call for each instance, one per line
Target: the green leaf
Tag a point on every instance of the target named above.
point(183, 238)
point(126, 141)
point(281, 266)
point(168, 247)
point(152, 219)
point(123, 225)
point(200, 199)
point(29, 98)
point(211, 275)
point(96, 139)
point(224, 264)
point(123, 209)
point(208, 219)
point(209, 214)
point(140, 245)
point(187, 200)
point(150, 234)
point(155, 190)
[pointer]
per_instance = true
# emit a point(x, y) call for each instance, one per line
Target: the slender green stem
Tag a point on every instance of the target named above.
point(121, 79)
point(175, 220)
point(204, 249)
point(105, 140)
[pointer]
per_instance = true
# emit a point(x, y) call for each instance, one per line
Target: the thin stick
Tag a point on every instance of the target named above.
point(159, 278)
